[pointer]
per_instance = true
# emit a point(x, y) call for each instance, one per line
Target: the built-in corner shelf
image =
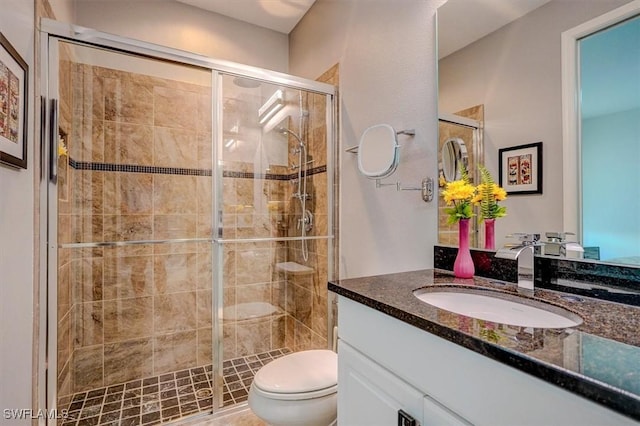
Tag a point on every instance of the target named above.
point(294, 268)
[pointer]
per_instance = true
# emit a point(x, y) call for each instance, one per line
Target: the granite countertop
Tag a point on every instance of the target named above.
point(599, 359)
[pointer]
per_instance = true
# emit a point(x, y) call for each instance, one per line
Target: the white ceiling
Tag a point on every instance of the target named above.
point(461, 22)
point(277, 15)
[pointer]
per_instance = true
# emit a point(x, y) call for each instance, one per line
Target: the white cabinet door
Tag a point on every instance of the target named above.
point(435, 414)
point(370, 395)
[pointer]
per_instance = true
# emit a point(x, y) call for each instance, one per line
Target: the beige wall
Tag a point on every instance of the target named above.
point(177, 25)
point(17, 236)
point(386, 54)
point(63, 10)
point(515, 73)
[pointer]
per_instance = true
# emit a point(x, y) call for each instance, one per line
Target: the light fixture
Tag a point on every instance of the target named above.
point(274, 104)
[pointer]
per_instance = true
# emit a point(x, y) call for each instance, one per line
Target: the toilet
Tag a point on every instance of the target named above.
point(297, 389)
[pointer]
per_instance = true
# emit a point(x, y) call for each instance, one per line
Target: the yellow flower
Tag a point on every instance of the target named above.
point(62, 149)
point(499, 193)
point(458, 190)
point(459, 194)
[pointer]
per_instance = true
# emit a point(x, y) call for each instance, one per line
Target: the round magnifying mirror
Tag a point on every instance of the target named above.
point(378, 151)
point(454, 156)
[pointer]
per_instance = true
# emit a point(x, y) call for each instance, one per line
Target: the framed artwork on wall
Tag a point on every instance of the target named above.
point(14, 76)
point(521, 169)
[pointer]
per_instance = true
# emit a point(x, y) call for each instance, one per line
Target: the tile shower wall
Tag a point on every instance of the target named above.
point(135, 311)
point(307, 295)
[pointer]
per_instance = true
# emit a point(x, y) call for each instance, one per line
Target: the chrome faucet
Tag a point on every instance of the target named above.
point(523, 253)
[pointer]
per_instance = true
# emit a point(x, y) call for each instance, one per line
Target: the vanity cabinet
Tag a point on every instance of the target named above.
point(385, 365)
point(371, 395)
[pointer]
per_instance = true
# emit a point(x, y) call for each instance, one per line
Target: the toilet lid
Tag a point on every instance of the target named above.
point(300, 372)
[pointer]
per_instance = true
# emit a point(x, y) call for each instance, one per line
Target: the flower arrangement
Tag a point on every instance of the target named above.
point(487, 196)
point(62, 148)
point(459, 194)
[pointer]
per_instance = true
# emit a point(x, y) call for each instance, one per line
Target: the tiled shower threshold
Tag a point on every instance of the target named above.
point(166, 397)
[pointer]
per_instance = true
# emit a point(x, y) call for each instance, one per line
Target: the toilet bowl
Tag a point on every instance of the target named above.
point(297, 389)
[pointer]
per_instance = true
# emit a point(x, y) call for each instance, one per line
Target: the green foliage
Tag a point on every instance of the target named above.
point(489, 208)
point(459, 211)
point(464, 173)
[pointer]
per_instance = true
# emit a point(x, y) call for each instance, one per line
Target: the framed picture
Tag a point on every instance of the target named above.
point(14, 75)
point(521, 169)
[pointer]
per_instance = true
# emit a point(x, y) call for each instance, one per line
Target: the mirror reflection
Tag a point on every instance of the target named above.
point(454, 158)
point(464, 126)
point(610, 140)
point(513, 68)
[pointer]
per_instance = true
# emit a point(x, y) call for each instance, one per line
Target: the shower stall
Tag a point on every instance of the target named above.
point(190, 226)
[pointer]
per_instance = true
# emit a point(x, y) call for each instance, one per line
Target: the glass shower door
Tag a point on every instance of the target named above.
point(133, 230)
point(273, 195)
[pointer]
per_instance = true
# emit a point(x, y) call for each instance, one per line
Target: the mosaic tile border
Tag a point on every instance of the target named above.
point(165, 397)
point(271, 176)
point(132, 168)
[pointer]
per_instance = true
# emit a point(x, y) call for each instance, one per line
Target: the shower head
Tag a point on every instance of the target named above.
point(286, 131)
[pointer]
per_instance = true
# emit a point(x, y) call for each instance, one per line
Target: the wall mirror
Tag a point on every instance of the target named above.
point(378, 153)
point(513, 67)
point(454, 158)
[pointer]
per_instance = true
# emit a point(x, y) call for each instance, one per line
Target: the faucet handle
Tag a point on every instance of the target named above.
point(557, 237)
point(525, 238)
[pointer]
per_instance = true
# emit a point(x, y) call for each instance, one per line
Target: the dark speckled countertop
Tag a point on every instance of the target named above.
point(599, 359)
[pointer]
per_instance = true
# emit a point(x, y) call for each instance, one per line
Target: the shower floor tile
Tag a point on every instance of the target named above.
point(166, 397)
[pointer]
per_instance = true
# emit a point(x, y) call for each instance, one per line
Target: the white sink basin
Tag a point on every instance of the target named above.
point(498, 307)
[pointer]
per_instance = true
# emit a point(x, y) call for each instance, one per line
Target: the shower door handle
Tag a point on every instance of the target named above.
point(53, 147)
point(43, 136)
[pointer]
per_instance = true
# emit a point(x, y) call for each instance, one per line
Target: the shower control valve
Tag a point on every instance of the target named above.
point(306, 220)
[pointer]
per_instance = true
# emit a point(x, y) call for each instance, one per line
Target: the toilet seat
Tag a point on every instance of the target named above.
point(295, 396)
point(301, 375)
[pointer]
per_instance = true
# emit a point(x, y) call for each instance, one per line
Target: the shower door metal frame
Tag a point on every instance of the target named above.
point(52, 32)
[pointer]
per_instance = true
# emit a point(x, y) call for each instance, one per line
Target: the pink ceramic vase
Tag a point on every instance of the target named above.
point(489, 234)
point(463, 266)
